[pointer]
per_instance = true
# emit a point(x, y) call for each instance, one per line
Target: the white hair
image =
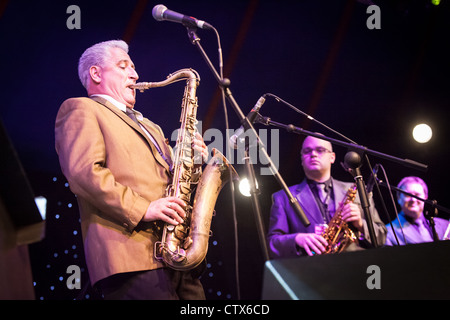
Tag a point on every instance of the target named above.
point(96, 55)
point(410, 180)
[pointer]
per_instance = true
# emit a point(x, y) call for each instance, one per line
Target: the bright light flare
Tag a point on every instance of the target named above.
point(422, 133)
point(244, 187)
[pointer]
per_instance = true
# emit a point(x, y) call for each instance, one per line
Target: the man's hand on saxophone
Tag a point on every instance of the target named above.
point(168, 209)
point(312, 243)
point(200, 150)
point(171, 209)
point(316, 244)
point(351, 213)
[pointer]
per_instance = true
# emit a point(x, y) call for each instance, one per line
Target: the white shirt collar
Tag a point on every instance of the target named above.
point(118, 104)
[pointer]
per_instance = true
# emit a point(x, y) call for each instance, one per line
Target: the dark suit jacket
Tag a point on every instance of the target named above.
point(408, 232)
point(115, 172)
point(285, 223)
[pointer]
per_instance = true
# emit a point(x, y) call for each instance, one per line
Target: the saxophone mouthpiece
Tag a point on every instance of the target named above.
point(141, 86)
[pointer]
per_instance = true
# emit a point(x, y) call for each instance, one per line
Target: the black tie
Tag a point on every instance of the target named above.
point(322, 193)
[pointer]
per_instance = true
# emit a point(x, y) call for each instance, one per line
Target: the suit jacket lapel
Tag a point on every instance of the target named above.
point(155, 134)
point(340, 191)
point(308, 203)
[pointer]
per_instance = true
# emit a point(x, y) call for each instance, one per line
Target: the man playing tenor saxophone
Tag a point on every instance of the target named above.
point(118, 164)
point(321, 198)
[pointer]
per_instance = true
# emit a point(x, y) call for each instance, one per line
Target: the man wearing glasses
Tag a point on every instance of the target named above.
point(319, 195)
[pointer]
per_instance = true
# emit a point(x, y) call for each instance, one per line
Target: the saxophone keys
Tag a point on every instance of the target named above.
point(187, 243)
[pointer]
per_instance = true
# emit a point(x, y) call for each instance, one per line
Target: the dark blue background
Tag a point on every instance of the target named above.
point(373, 86)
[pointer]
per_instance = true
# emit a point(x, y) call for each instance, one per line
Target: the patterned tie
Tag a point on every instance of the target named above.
point(132, 115)
point(323, 192)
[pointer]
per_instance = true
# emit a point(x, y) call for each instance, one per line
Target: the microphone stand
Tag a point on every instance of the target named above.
point(432, 203)
point(353, 162)
point(255, 203)
point(224, 83)
point(353, 146)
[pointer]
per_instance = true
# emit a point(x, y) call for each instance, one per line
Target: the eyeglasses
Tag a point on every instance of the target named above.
point(319, 150)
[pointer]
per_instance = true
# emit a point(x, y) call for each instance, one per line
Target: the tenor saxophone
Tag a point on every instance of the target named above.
point(338, 234)
point(184, 246)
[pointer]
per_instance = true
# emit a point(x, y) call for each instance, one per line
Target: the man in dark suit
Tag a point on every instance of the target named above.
point(119, 169)
point(319, 195)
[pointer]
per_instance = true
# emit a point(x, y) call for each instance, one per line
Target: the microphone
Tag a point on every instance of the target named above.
point(372, 178)
point(161, 13)
point(251, 118)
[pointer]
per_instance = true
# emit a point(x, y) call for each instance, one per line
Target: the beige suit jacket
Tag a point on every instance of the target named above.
point(115, 171)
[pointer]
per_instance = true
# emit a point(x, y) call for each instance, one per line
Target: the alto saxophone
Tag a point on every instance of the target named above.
point(184, 246)
point(338, 234)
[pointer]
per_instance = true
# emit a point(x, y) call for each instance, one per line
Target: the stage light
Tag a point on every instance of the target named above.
point(244, 187)
point(436, 2)
point(422, 133)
